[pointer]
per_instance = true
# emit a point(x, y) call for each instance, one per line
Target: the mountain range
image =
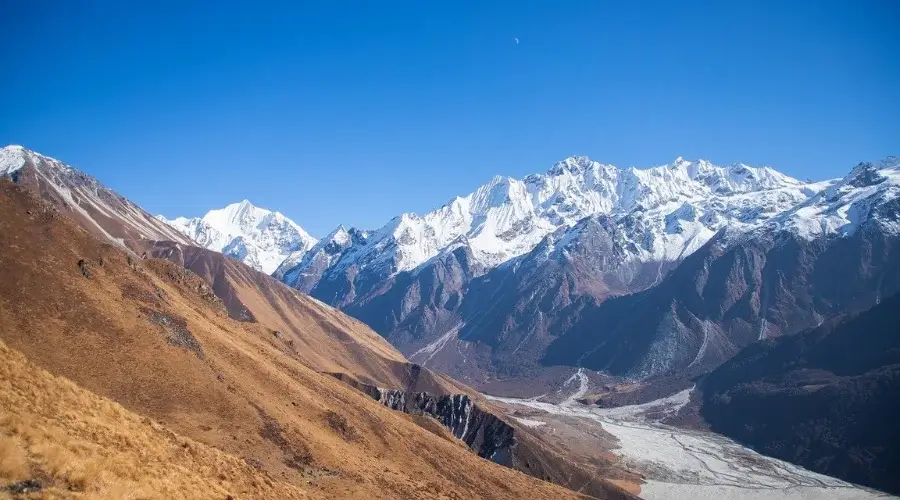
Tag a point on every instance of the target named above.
point(558, 268)
point(612, 283)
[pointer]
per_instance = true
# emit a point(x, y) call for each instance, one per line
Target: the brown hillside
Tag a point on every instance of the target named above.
point(324, 338)
point(108, 451)
point(152, 337)
point(329, 341)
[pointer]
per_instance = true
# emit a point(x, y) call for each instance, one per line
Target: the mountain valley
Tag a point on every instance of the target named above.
point(605, 311)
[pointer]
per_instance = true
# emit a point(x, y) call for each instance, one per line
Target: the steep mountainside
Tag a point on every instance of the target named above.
point(156, 339)
point(322, 337)
point(744, 286)
point(101, 210)
point(62, 441)
point(485, 285)
point(826, 399)
point(260, 238)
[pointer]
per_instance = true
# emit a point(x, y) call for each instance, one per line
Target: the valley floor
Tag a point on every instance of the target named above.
point(682, 463)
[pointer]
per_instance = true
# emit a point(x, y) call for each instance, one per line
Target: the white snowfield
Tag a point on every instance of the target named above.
point(662, 214)
point(679, 463)
point(258, 237)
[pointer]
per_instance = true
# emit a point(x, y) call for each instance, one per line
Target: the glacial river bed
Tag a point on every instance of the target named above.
point(683, 463)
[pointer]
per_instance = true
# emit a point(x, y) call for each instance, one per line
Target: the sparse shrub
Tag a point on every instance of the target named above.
point(339, 424)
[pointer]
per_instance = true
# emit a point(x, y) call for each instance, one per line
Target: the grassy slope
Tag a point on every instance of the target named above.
point(246, 394)
point(82, 445)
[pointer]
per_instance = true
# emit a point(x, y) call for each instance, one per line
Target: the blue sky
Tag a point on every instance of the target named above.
point(352, 112)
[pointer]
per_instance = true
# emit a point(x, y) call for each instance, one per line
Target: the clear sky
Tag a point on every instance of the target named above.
point(352, 112)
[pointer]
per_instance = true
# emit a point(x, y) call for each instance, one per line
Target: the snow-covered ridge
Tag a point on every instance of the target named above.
point(673, 209)
point(258, 237)
point(12, 159)
point(843, 205)
point(105, 211)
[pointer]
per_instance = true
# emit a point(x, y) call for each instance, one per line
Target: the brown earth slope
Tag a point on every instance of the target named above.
point(322, 337)
point(153, 337)
point(327, 340)
point(107, 451)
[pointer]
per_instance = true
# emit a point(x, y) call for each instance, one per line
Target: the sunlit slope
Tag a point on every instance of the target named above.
point(153, 337)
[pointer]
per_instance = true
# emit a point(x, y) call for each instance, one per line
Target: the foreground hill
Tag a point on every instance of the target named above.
point(826, 399)
point(62, 441)
point(154, 338)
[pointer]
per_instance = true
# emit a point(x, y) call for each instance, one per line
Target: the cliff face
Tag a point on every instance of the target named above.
point(484, 433)
point(499, 441)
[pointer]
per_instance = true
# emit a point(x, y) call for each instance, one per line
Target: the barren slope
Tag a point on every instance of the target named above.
point(97, 208)
point(324, 338)
point(154, 338)
point(107, 451)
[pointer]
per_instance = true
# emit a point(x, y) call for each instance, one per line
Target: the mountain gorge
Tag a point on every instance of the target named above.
point(584, 287)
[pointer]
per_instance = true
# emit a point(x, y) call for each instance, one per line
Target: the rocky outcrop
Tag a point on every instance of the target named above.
point(487, 435)
point(493, 438)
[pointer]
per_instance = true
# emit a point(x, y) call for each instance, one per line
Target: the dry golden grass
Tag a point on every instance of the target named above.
point(13, 459)
point(83, 446)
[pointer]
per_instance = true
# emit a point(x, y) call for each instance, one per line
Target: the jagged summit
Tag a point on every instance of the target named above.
point(507, 217)
point(258, 237)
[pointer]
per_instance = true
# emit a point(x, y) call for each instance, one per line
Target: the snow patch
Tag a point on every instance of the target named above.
point(435, 347)
point(529, 422)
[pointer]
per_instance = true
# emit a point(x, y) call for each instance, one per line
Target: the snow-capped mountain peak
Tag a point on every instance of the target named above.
point(870, 192)
point(12, 159)
point(685, 202)
point(258, 237)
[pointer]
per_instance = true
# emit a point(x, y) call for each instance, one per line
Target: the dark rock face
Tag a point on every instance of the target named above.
point(494, 439)
point(484, 433)
point(24, 487)
point(176, 328)
point(722, 298)
point(826, 399)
